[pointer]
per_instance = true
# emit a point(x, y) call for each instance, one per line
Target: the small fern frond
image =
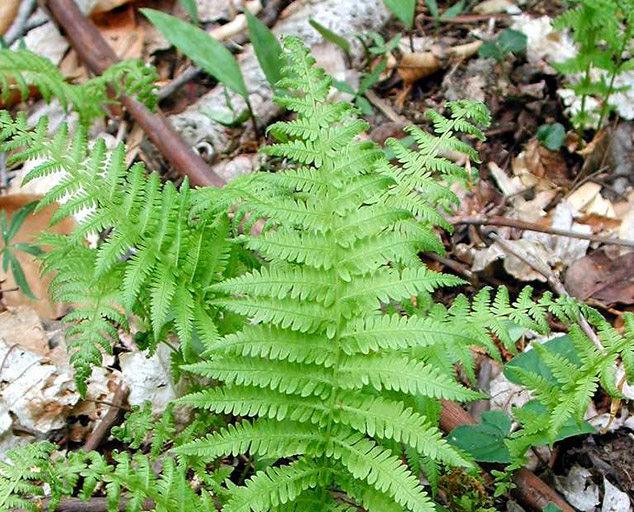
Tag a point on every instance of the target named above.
point(19, 70)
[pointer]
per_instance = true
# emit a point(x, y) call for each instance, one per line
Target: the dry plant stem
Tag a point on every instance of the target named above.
point(531, 490)
point(98, 56)
point(114, 414)
point(482, 220)
point(553, 281)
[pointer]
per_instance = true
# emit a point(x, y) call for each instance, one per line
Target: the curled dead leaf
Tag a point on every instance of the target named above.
point(543, 163)
point(414, 66)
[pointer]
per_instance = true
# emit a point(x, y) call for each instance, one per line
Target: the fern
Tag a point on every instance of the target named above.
point(23, 68)
point(129, 478)
point(602, 30)
point(19, 476)
point(335, 239)
point(567, 395)
point(155, 260)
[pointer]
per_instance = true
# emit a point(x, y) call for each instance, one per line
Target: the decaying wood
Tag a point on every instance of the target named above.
point(98, 56)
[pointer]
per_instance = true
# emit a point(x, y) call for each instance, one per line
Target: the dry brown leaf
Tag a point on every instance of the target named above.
point(107, 5)
point(599, 223)
point(122, 32)
point(584, 195)
point(22, 327)
point(33, 225)
point(414, 66)
point(8, 10)
point(597, 276)
point(543, 163)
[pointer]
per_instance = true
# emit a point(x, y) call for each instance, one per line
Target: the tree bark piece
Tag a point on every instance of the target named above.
point(98, 56)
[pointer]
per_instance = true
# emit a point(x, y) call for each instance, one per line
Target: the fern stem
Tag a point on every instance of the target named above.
point(254, 122)
point(615, 72)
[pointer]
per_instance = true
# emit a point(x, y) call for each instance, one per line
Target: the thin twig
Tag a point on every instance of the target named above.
point(482, 220)
point(17, 29)
point(385, 108)
point(6, 357)
point(186, 76)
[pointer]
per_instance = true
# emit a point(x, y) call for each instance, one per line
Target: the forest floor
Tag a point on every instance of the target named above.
point(549, 208)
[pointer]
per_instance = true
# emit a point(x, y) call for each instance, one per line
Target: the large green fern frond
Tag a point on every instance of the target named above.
point(311, 367)
point(153, 259)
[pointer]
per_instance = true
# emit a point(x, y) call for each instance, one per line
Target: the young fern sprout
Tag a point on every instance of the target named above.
point(603, 31)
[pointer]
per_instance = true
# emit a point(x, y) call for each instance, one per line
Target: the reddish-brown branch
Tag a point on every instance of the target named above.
point(114, 414)
point(98, 56)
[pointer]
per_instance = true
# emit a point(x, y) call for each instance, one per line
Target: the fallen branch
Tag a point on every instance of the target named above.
point(114, 414)
point(482, 220)
point(98, 56)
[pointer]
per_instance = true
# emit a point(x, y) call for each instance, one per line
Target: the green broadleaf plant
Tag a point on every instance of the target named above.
point(9, 230)
point(267, 49)
point(329, 35)
point(206, 51)
point(404, 10)
point(509, 41)
point(552, 136)
point(192, 9)
point(485, 441)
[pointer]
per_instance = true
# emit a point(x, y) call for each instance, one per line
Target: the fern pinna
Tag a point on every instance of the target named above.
point(328, 378)
point(153, 260)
